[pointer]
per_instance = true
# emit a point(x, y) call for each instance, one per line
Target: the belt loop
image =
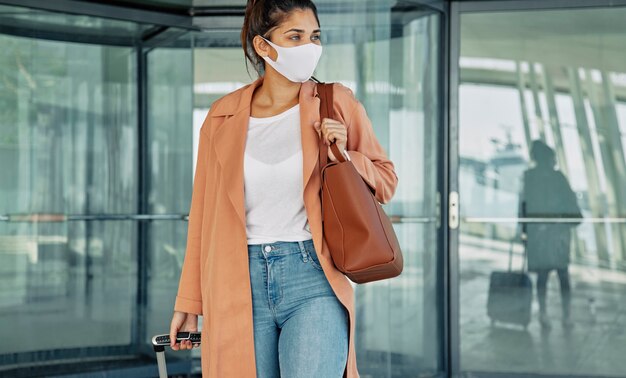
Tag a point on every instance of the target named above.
point(303, 251)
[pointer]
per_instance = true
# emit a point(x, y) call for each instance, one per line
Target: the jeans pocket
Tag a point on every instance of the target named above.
point(313, 259)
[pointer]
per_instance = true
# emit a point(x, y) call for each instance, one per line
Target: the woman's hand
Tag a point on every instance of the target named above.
point(332, 130)
point(183, 322)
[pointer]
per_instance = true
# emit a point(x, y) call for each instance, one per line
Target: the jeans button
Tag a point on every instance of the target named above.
point(268, 248)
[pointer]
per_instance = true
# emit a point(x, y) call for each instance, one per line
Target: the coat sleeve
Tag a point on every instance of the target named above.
point(189, 297)
point(366, 153)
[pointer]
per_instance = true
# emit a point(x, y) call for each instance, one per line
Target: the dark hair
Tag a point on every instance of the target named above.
point(263, 15)
point(542, 153)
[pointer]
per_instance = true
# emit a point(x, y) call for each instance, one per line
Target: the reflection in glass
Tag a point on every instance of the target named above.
point(171, 158)
point(546, 193)
point(67, 146)
point(541, 126)
point(398, 320)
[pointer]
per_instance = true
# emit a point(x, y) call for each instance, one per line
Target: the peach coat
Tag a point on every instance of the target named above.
point(215, 281)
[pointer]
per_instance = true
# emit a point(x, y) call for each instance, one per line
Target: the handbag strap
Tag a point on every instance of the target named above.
point(325, 93)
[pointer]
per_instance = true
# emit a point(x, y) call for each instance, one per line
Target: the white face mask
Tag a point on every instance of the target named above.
point(295, 63)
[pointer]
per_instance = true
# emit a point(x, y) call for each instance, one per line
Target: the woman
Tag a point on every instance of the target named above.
point(256, 266)
point(546, 193)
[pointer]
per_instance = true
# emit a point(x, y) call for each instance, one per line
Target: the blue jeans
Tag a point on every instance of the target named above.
point(300, 327)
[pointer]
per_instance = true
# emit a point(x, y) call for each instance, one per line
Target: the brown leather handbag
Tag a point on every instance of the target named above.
point(360, 236)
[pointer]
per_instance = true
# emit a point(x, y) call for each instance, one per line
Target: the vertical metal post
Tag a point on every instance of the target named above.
point(554, 125)
point(521, 87)
point(430, 72)
point(451, 184)
point(138, 329)
point(606, 121)
point(89, 182)
point(534, 87)
point(617, 152)
point(593, 178)
point(612, 180)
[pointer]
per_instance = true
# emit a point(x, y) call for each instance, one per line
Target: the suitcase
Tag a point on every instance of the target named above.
point(510, 295)
point(159, 342)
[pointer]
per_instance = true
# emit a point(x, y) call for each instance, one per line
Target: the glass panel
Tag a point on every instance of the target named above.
point(392, 67)
point(170, 166)
point(68, 146)
point(542, 123)
point(170, 105)
point(66, 285)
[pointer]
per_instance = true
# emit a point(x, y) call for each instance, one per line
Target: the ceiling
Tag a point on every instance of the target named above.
point(592, 38)
point(127, 22)
point(183, 6)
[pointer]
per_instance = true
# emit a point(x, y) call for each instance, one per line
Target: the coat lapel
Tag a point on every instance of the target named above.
point(229, 138)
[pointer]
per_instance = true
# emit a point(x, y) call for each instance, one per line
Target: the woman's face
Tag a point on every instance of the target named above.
point(298, 28)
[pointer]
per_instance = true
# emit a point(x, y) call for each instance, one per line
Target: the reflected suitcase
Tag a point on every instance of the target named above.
point(159, 342)
point(510, 295)
point(510, 298)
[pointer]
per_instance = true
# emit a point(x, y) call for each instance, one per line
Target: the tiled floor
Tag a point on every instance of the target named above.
point(596, 345)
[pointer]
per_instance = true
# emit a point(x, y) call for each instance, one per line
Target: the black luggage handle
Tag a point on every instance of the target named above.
point(521, 233)
point(524, 261)
point(159, 342)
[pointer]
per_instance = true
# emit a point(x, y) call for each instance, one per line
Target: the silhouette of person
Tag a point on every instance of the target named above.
point(546, 193)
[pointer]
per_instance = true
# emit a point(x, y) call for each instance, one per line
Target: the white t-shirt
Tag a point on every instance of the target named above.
point(273, 179)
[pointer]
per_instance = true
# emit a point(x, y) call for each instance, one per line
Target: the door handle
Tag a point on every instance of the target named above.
point(453, 210)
